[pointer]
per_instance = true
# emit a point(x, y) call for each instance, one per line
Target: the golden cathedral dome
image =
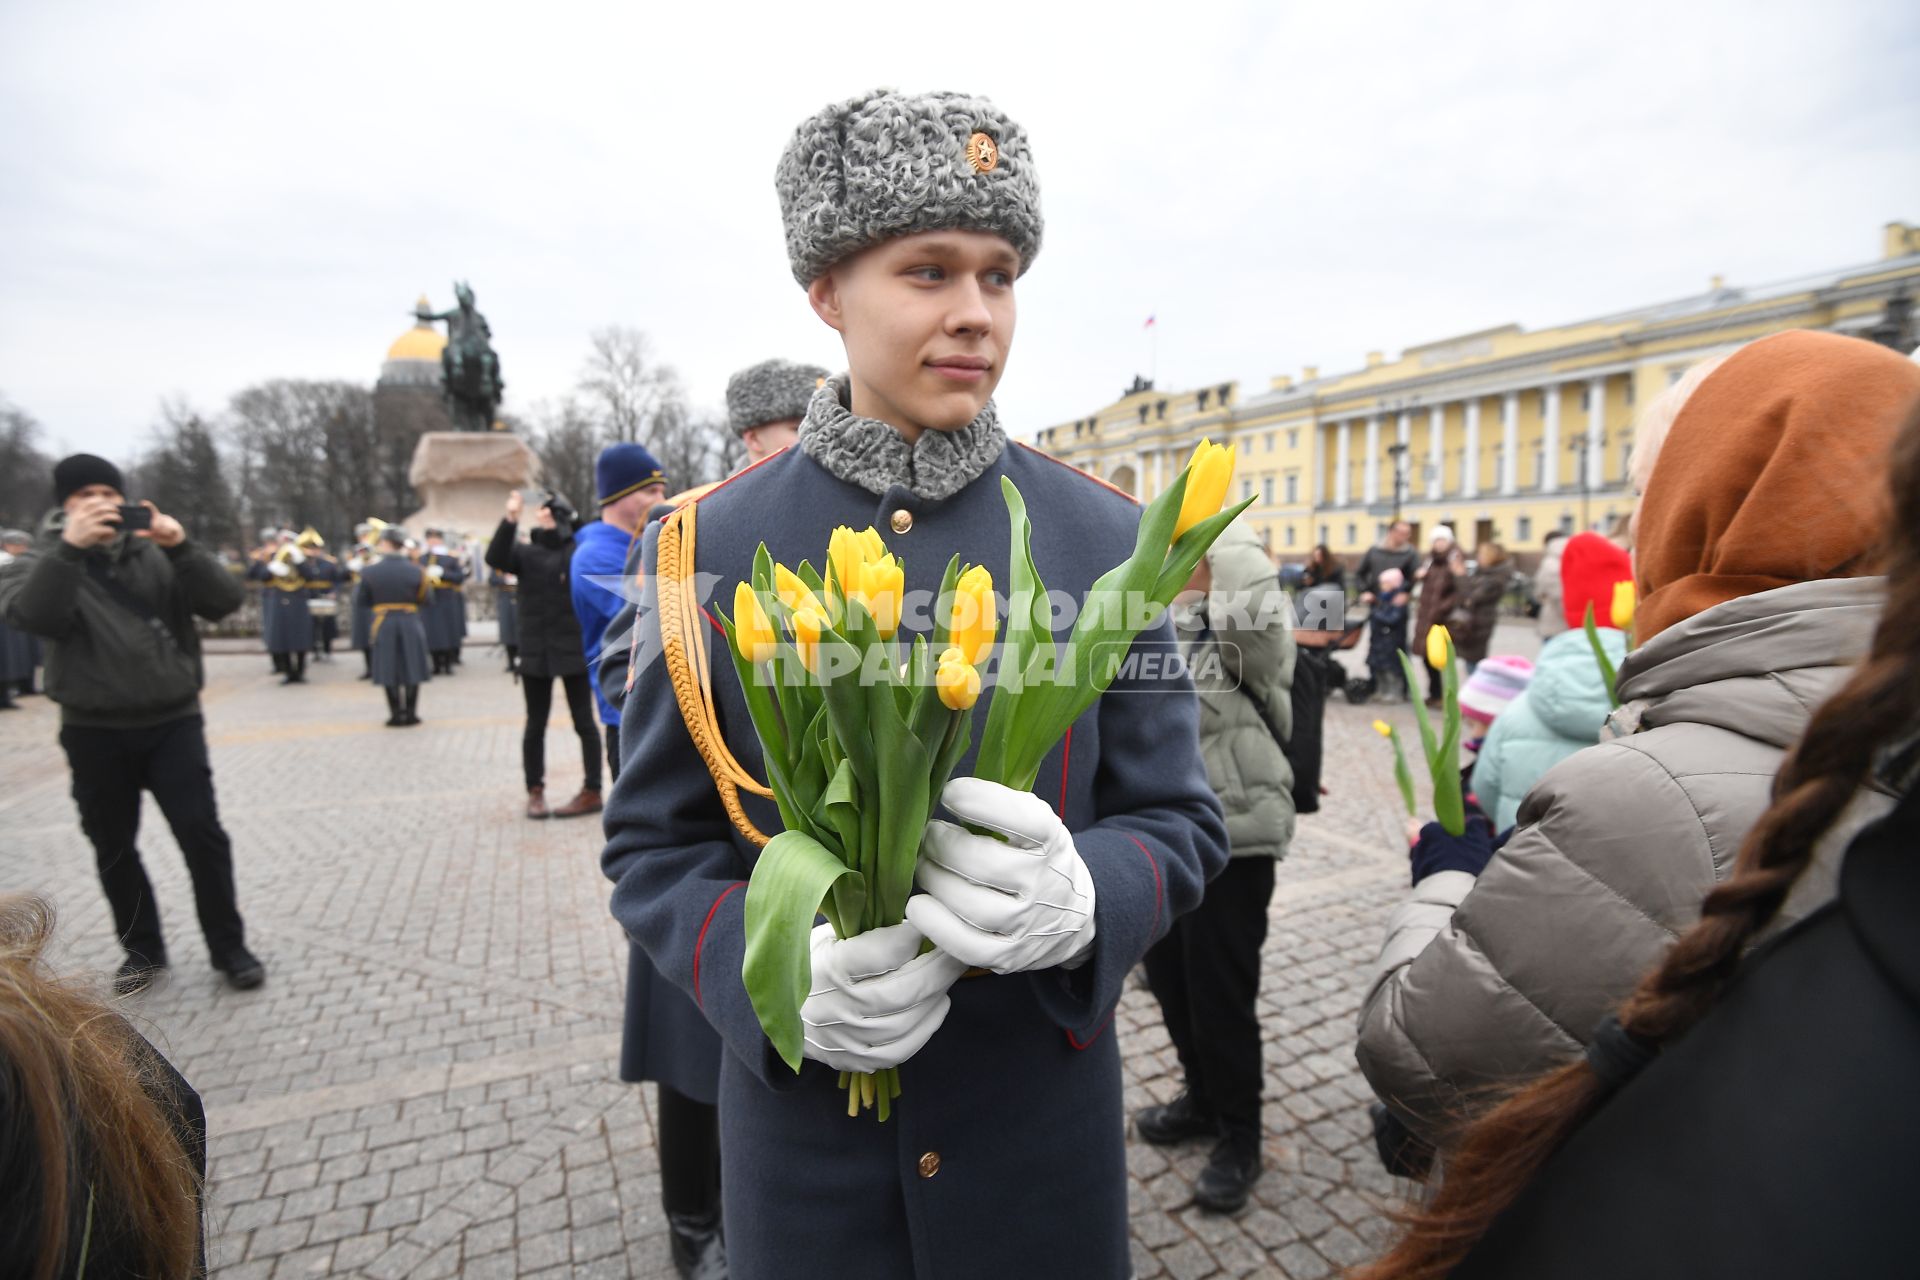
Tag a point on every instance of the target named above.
point(422, 342)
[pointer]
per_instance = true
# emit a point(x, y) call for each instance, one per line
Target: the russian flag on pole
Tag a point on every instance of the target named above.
point(1149, 323)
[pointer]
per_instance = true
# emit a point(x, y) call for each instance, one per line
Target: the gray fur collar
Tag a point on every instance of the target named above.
point(872, 455)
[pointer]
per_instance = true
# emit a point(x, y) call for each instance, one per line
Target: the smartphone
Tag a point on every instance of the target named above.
point(134, 516)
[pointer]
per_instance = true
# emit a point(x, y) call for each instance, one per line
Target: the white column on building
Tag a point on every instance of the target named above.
point(1550, 439)
point(1470, 462)
point(1596, 423)
point(1402, 434)
point(1436, 458)
point(1371, 482)
point(1342, 459)
point(1158, 481)
point(1510, 443)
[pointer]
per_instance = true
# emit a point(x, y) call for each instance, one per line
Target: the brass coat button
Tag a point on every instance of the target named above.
point(929, 1164)
point(903, 521)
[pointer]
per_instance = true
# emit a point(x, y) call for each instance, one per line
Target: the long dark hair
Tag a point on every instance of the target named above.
point(1497, 1157)
point(86, 1154)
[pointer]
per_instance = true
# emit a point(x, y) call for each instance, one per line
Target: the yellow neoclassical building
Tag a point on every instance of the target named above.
point(1503, 434)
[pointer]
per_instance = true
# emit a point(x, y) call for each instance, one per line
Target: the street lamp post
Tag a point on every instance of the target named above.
point(1398, 452)
point(1580, 444)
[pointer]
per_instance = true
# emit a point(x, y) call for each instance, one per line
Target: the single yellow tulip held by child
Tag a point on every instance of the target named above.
point(1442, 750)
point(1622, 617)
point(857, 745)
point(1401, 774)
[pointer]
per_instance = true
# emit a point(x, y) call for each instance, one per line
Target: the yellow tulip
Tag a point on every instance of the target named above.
point(847, 551)
point(808, 623)
point(971, 623)
point(1209, 472)
point(752, 629)
point(1623, 602)
point(879, 586)
point(1439, 648)
point(793, 593)
point(1382, 728)
point(957, 680)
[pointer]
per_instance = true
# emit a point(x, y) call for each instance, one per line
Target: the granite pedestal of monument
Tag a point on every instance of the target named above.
point(464, 476)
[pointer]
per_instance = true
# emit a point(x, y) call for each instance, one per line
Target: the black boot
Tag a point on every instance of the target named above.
point(297, 672)
point(243, 969)
point(1181, 1120)
point(411, 697)
point(396, 711)
point(699, 1251)
point(1232, 1169)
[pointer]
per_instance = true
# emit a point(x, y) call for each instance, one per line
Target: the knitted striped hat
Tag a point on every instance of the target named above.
point(1493, 686)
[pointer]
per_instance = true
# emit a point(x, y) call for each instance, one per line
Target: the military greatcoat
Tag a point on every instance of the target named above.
point(445, 616)
point(286, 625)
point(1005, 1154)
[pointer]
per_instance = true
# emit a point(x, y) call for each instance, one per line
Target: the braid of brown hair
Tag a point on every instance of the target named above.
point(1879, 705)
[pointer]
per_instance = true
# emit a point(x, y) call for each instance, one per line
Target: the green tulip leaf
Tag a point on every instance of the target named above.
point(791, 878)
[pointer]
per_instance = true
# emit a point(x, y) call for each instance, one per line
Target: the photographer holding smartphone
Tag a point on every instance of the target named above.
point(550, 648)
point(115, 605)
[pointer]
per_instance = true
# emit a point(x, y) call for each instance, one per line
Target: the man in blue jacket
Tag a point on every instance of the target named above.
point(908, 219)
point(628, 482)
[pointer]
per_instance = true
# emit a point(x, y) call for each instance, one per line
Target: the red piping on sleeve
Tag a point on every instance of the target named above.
point(1066, 756)
point(713, 911)
point(1098, 1031)
point(1075, 1040)
point(1154, 928)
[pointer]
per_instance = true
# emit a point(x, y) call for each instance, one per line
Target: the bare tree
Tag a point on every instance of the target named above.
point(692, 448)
point(306, 455)
point(184, 475)
point(26, 474)
point(567, 440)
point(623, 385)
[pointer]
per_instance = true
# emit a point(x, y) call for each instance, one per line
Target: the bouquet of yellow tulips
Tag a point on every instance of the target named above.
point(859, 742)
point(857, 746)
point(1443, 749)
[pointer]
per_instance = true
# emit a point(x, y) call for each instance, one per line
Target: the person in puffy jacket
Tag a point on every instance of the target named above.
point(1742, 1112)
point(1499, 967)
point(1566, 703)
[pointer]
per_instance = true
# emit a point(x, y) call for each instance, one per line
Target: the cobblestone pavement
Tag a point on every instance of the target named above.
point(426, 1084)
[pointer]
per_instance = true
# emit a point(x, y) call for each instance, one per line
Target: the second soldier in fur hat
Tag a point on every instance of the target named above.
point(766, 401)
point(908, 219)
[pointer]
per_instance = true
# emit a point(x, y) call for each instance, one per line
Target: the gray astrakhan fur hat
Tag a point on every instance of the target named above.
point(890, 164)
point(771, 391)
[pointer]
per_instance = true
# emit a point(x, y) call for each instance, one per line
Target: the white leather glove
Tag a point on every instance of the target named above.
point(297, 556)
point(435, 572)
point(279, 569)
point(1023, 904)
point(875, 999)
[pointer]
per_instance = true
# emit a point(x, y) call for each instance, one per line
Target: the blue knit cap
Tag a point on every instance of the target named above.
point(623, 468)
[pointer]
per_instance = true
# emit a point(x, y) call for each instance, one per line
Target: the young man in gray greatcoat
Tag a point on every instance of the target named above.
point(908, 219)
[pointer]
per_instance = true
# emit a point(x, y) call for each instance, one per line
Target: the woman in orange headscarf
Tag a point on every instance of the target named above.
point(1758, 539)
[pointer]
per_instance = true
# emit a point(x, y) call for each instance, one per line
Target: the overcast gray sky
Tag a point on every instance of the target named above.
point(196, 197)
